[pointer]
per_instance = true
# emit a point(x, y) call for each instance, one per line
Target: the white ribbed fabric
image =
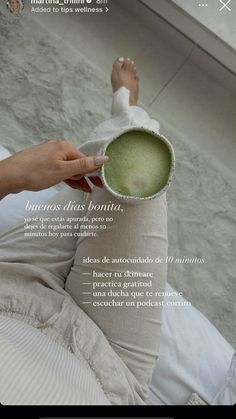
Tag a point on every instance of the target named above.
point(35, 368)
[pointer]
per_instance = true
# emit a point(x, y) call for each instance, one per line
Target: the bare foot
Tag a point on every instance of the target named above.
point(124, 74)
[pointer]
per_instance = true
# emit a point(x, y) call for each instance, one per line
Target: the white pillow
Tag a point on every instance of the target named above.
point(35, 370)
point(194, 356)
point(227, 394)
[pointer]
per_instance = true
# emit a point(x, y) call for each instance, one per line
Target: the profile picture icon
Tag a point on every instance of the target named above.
point(15, 6)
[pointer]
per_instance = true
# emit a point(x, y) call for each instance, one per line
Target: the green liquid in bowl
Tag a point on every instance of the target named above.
point(139, 164)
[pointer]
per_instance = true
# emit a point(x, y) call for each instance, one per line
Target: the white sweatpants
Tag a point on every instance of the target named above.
point(43, 280)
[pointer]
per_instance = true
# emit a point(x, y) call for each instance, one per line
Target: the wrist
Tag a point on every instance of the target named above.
point(10, 179)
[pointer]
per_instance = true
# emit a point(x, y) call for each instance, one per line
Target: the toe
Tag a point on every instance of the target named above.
point(128, 65)
point(132, 64)
point(118, 63)
point(127, 61)
point(121, 60)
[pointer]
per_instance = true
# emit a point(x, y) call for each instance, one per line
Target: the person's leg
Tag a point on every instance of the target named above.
point(123, 115)
point(32, 275)
point(33, 268)
point(138, 231)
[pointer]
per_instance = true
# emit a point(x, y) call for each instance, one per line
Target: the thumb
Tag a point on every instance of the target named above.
point(84, 165)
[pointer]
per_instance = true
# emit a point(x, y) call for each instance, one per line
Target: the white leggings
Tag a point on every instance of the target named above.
point(42, 278)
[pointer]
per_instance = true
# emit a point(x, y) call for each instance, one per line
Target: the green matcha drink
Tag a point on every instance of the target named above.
point(139, 164)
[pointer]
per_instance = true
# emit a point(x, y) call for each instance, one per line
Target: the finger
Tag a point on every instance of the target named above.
point(95, 173)
point(73, 184)
point(84, 185)
point(73, 153)
point(96, 181)
point(81, 185)
point(83, 165)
